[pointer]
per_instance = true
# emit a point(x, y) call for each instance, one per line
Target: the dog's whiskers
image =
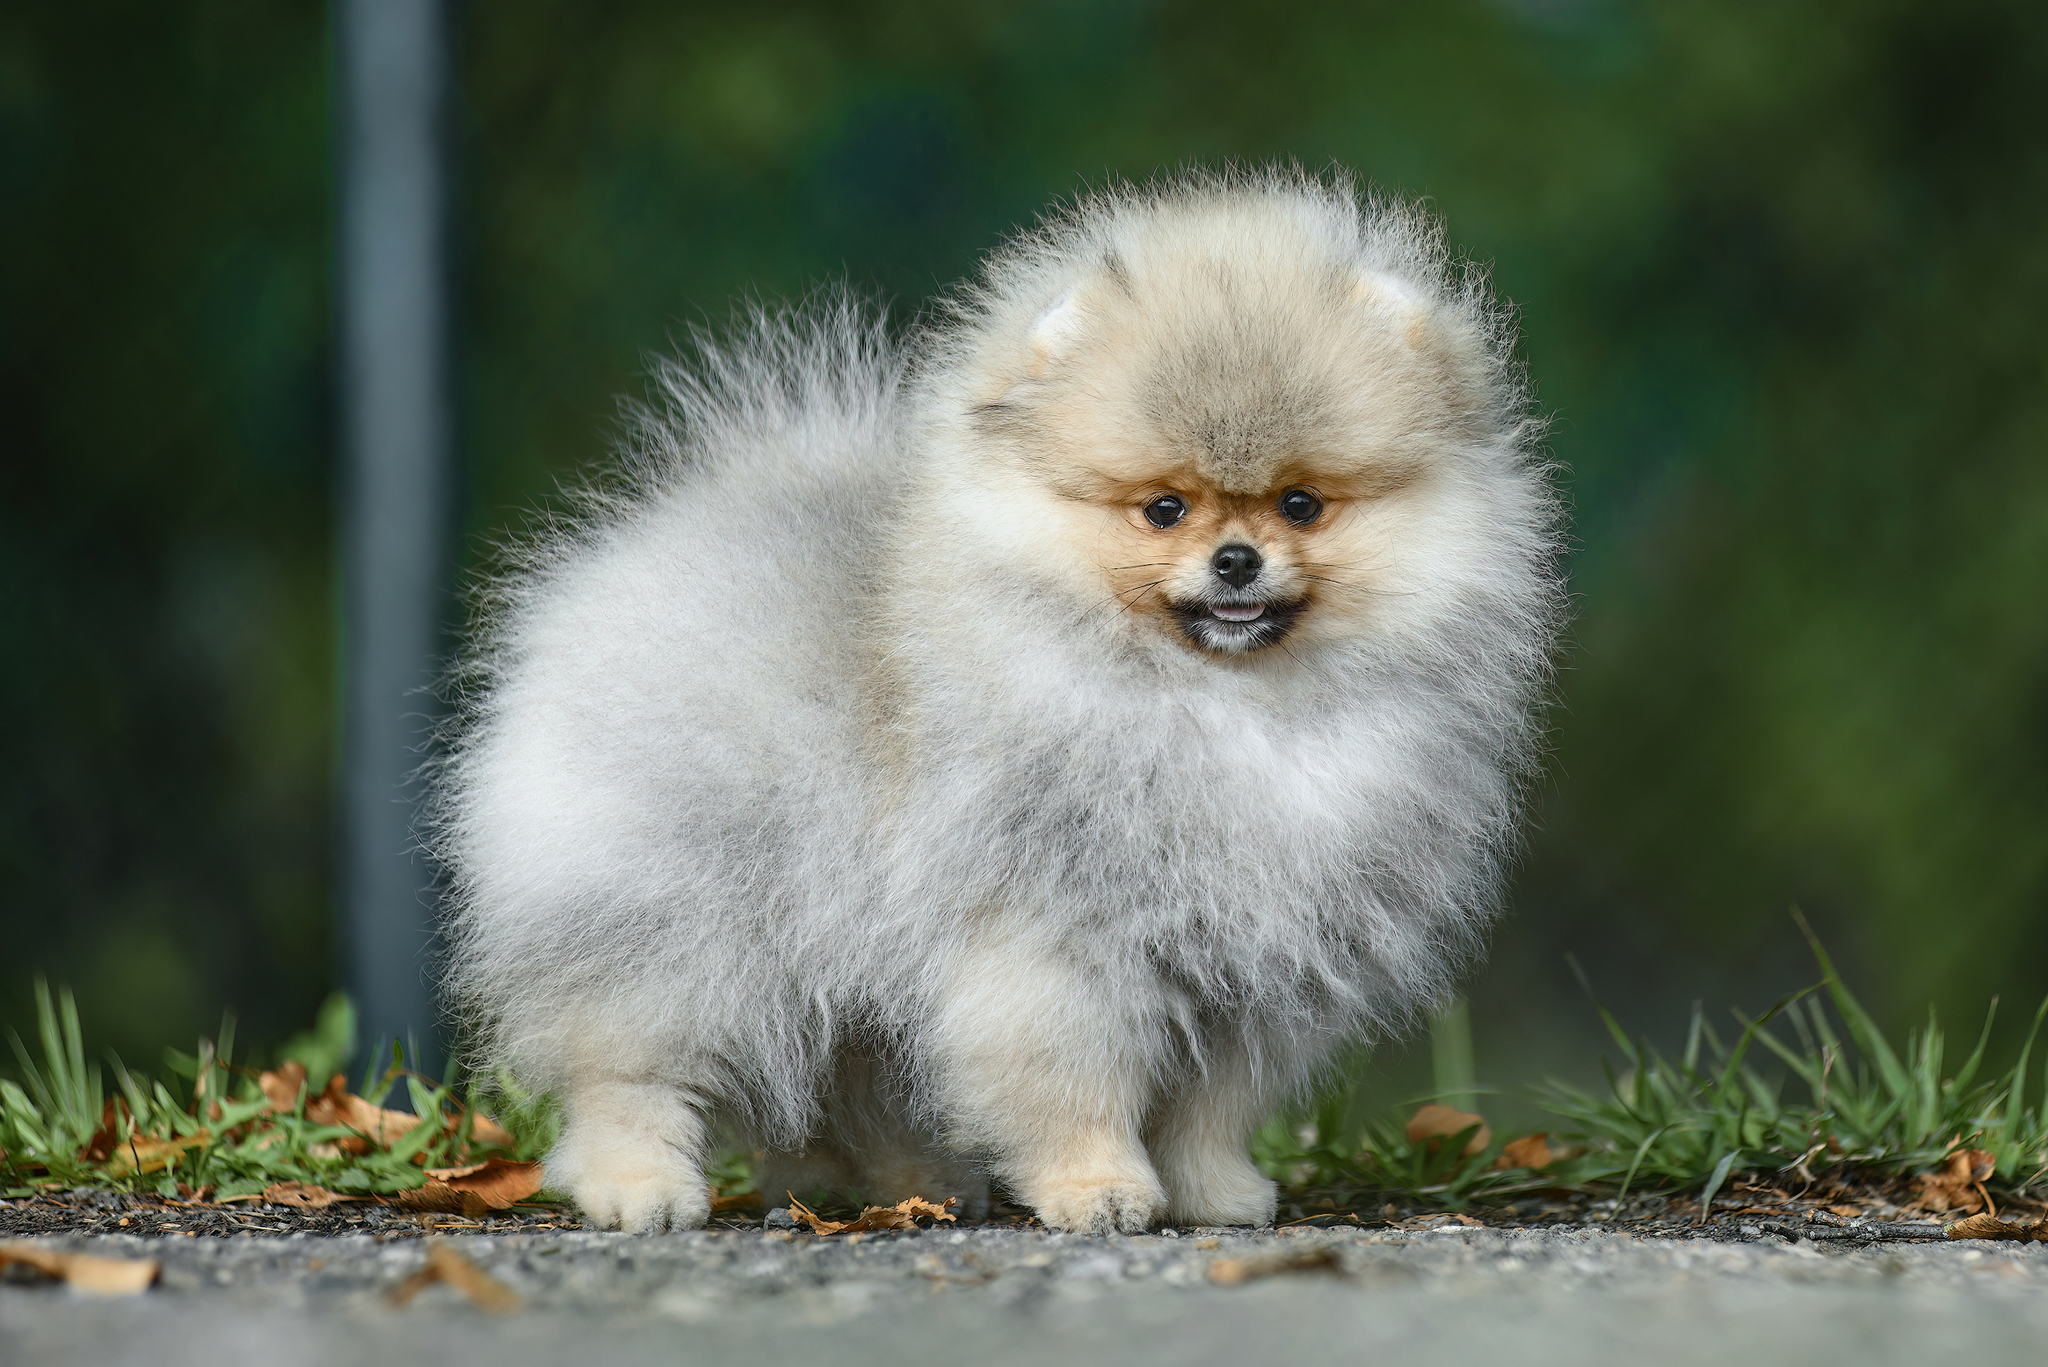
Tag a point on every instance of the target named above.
point(1141, 590)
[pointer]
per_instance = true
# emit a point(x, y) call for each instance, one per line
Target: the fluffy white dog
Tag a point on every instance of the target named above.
point(1032, 750)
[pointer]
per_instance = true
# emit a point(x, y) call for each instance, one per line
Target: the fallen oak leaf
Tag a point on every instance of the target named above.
point(445, 1264)
point(1437, 1123)
point(86, 1272)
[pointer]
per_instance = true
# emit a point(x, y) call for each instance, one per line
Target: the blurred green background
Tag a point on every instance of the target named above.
point(1783, 272)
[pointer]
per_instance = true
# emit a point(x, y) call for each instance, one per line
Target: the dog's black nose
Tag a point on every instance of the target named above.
point(1236, 564)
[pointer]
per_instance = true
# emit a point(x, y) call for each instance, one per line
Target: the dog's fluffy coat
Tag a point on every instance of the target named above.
point(875, 779)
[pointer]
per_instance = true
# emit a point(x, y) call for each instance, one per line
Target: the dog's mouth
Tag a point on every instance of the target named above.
point(1235, 628)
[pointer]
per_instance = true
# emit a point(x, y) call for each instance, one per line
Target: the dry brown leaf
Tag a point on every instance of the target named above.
point(473, 1190)
point(1958, 1186)
point(305, 1195)
point(487, 1133)
point(902, 1215)
point(1440, 1122)
point(1989, 1226)
point(1531, 1151)
point(1846, 1211)
point(739, 1200)
point(444, 1264)
point(439, 1196)
point(142, 1153)
point(95, 1276)
point(377, 1126)
point(281, 1088)
point(917, 1205)
point(1238, 1271)
point(99, 1148)
point(500, 1181)
point(336, 1105)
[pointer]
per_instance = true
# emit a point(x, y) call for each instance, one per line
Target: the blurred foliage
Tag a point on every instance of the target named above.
point(1781, 271)
point(165, 565)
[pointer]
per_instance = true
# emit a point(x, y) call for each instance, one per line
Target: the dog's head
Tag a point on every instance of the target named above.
point(1248, 418)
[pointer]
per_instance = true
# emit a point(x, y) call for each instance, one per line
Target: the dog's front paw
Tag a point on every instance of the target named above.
point(642, 1203)
point(641, 1189)
point(1100, 1204)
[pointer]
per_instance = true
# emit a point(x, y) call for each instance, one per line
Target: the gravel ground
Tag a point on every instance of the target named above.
point(1757, 1289)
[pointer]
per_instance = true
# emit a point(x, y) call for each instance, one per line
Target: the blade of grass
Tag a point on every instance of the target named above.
point(1862, 1028)
point(1714, 1182)
point(2013, 1108)
point(1966, 1073)
point(1629, 1177)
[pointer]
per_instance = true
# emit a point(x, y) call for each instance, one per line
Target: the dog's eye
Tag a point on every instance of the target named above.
point(1165, 510)
point(1300, 507)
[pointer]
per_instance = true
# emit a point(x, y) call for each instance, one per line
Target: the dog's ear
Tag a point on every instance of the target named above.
point(1053, 335)
point(1392, 294)
point(1387, 291)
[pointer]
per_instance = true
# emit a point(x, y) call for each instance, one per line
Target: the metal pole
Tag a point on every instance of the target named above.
point(398, 491)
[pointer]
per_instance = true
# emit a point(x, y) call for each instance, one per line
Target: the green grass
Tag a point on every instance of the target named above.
point(1692, 1122)
point(210, 1125)
point(1810, 1086)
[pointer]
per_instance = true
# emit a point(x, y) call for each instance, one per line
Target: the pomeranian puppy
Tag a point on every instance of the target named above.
point(1034, 750)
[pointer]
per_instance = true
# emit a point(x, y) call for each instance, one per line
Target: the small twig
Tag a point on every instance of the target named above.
point(1826, 1233)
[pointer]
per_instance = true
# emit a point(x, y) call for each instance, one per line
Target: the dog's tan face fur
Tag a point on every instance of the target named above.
point(1306, 420)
